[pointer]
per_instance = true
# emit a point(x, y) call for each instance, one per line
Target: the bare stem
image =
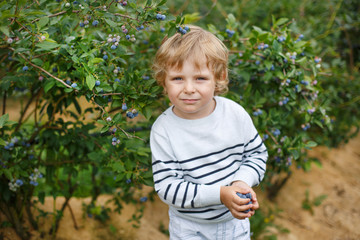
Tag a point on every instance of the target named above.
point(50, 16)
point(43, 70)
point(125, 16)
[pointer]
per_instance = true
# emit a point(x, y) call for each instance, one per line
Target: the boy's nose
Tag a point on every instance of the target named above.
point(189, 87)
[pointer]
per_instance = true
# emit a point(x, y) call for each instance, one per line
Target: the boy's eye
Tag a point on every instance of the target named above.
point(201, 78)
point(177, 78)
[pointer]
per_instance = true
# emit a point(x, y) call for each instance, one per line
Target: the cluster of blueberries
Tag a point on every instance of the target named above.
point(311, 110)
point(317, 59)
point(281, 38)
point(183, 30)
point(122, 2)
point(115, 141)
point(15, 184)
point(86, 22)
point(245, 196)
point(160, 16)
point(303, 82)
point(131, 114)
point(257, 112)
point(263, 46)
point(305, 126)
point(276, 132)
point(301, 36)
point(284, 101)
point(229, 32)
point(9, 146)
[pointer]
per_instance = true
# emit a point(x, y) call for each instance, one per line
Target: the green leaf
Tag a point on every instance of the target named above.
point(161, 3)
point(9, 123)
point(311, 144)
point(77, 106)
point(2, 142)
point(3, 119)
point(281, 21)
point(104, 129)
point(147, 112)
point(90, 81)
point(191, 18)
point(117, 117)
point(37, 61)
point(95, 61)
point(42, 22)
point(295, 153)
point(258, 30)
point(46, 45)
point(101, 122)
point(319, 199)
point(48, 85)
point(111, 23)
point(118, 167)
point(5, 30)
point(94, 156)
point(276, 46)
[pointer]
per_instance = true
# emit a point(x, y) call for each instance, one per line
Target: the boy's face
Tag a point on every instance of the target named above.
point(191, 90)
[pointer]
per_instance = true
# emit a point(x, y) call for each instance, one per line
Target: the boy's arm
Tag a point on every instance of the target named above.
point(169, 180)
point(254, 157)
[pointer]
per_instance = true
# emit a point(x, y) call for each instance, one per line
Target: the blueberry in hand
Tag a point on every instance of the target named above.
point(244, 196)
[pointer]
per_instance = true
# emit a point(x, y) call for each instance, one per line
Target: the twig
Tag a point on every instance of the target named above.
point(183, 7)
point(43, 70)
point(131, 136)
point(273, 138)
point(50, 16)
point(211, 8)
point(125, 16)
point(109, 94)
point(4, 103)
point(73, 217)
point(103, 110)
point(25, 109)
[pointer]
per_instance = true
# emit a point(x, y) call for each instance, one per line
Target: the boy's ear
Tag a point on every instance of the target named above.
point(223, 75)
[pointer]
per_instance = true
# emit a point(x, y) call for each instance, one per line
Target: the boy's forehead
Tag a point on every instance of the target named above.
point(197, 62)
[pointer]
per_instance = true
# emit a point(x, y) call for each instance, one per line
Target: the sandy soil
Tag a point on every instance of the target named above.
point(336, 218)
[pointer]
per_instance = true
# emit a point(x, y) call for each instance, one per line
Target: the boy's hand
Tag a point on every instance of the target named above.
point(248, 189)
point(234, 203)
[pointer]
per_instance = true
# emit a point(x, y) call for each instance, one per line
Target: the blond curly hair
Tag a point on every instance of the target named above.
point(196, 44)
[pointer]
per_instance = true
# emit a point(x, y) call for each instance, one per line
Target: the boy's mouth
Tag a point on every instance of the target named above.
point(189, 101)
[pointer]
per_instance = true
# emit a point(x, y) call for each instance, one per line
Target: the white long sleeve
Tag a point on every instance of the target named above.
point(192, 159)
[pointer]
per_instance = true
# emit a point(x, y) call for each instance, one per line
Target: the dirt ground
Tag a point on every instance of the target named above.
point(336, 218)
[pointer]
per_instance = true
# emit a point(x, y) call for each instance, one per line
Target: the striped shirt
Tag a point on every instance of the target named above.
point(192, 159)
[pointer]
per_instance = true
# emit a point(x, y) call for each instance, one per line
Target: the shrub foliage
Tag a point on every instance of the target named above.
point(81, 73)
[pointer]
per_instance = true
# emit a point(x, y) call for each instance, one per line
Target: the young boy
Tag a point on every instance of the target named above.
point(205, 148)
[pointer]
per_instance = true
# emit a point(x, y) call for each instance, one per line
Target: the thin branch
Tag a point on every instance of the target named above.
point(25, 109)
point(273, 138)
point(131, 136)
point(125, 16)
point(183, 7)
point(211, 8)
point(50, 16)
point(43, 70)
point(4, 103)
point(109, 94)
point(73, 217)
point(103, 110)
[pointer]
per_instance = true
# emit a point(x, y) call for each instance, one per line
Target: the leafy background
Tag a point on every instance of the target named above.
point(77, 104)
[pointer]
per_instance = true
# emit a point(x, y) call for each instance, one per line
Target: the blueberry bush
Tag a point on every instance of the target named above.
point(81, 73)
